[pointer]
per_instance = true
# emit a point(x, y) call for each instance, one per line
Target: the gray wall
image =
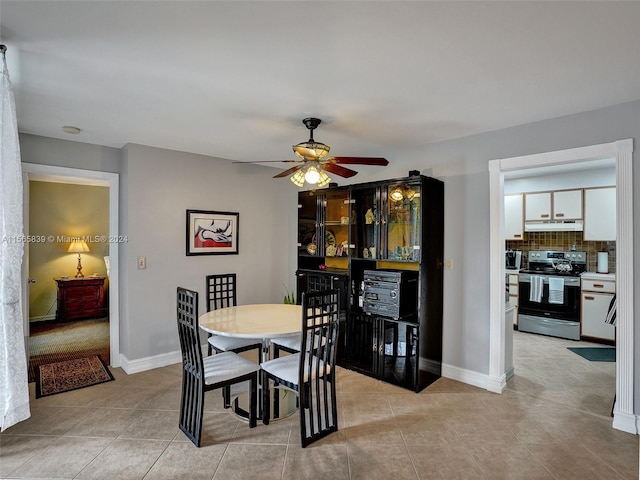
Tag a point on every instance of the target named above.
point(158, 186)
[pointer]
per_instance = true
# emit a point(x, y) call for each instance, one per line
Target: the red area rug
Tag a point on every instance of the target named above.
point(70, 375)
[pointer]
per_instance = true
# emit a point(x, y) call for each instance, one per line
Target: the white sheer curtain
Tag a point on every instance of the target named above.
point(14, 386)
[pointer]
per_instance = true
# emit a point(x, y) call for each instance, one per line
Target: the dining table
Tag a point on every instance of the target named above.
point(263, 321)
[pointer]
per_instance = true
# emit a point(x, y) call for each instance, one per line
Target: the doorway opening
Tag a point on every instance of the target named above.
point(501, 333)
point(52, 174)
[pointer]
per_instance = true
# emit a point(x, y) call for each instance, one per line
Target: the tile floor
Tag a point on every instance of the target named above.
point(552, 423)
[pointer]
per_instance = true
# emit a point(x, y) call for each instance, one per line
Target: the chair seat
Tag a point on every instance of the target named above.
point(287, 368)
point(226, 366)
point(290, 341)
point(227, 344)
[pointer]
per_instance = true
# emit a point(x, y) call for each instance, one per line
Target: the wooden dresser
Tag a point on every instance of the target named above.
point(81, 298)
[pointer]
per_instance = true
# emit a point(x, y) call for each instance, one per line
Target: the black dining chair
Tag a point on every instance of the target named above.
point(310, 373)
point(202, 374)
point(221, 293)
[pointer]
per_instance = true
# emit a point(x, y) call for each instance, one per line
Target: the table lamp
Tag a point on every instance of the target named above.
point(78, 246)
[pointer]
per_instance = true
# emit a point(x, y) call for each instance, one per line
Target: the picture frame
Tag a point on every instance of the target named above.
point(212, 233)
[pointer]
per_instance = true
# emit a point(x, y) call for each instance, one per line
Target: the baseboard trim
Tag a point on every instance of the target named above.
point(148, 363)
point(466, 376)
point(626, 422)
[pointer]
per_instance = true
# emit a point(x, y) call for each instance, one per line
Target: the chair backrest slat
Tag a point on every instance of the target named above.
point(221, 291)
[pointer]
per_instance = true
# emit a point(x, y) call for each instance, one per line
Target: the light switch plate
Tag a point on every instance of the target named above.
point(142, 263)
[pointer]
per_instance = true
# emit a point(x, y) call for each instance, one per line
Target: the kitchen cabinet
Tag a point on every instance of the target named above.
point(558, 205)
point(597, 292)
point(513, 216)
point(81, 298)
point(600, 214)
point(395, 224)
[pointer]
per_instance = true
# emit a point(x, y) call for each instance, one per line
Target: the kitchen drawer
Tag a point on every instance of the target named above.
point(598, 286)
point(513, 279)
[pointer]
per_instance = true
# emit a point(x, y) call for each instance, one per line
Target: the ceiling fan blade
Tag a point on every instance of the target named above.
point(271, 161)
point(289, 171)
point(338, 170)
point(360, 161)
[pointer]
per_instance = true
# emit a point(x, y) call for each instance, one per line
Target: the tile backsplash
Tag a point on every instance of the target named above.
point(564, 241)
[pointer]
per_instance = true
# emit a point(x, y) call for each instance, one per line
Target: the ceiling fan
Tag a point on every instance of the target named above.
point(313, 162)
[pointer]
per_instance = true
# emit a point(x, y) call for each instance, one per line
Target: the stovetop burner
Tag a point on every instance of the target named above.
point(573, 273)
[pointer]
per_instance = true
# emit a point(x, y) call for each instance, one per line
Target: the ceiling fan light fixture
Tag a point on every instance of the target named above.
point(324, 179)
point(298, 178)
point(312, 175)
point(311, 150)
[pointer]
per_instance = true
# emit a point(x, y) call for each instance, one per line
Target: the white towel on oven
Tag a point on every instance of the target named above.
point(536, 288)
point(556, 290)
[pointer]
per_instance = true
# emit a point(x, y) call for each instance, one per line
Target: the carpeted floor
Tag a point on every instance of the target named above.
point(51, 342)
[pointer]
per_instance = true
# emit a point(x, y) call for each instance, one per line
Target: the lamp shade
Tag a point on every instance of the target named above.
point(78, 246)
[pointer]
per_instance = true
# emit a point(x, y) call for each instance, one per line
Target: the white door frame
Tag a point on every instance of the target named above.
point(33, 171)
point(622, 151)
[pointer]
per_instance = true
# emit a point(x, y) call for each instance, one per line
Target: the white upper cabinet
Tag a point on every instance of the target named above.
point(513, 216)
point(600, 214)
point(567, 205)
point(537, 206)
point(559, 205)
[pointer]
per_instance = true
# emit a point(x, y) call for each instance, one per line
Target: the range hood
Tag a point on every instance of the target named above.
point(573, 226)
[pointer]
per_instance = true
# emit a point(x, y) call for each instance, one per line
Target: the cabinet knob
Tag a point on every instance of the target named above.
point(589, 297)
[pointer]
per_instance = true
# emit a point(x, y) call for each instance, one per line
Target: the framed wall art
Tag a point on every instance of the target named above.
point(212, 233)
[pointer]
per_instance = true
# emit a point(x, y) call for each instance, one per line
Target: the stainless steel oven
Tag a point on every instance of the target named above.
point(549, 293)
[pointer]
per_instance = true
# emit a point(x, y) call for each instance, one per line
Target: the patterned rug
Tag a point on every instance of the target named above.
point(70, 375)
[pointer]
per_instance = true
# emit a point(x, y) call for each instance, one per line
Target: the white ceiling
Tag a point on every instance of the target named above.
point(234, 79)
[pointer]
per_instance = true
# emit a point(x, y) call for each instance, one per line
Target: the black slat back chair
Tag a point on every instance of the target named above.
point(311, 372)
point(221, 293)
point(199, 375)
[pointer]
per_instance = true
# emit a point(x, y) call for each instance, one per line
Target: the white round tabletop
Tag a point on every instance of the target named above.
point(268, 320)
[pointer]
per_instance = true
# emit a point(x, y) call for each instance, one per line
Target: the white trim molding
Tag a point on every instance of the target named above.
point(622, 151)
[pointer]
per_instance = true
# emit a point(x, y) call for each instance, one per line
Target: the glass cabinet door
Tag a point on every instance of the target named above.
point(308, 223)
point(398, 348)
point(402, 233)
point(336, 223)
point(365, 223)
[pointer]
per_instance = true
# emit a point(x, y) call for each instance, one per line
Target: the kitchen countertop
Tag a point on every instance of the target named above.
point(599, 276)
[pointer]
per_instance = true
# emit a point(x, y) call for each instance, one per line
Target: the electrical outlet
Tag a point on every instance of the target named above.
point(448, 264)
point(142, 263)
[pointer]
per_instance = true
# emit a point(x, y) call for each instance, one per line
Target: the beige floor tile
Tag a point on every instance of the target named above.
point(241, 462)
point(508, 462)
point(55, 420)
point(153, 425)
point(444, 462)
point(380, 462)
point(552, 419)
point(319, 461)
point(106, 422)
point(16, 450)
point(184, 461)
point(573, 462)
point(64, 457)
point(622, 457)
point(373, 430)
point(124, 459)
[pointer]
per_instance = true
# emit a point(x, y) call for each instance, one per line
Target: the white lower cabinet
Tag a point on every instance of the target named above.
point(596, 297)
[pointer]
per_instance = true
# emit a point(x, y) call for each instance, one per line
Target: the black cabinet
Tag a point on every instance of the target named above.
point(392, 225)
